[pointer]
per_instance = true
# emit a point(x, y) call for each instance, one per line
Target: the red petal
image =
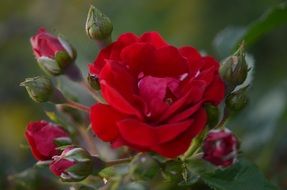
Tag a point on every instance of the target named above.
point(117, 101)
point(154, 38)
point(215, 91)
point(112, 51)
point(138, 55)
point(209, 62)
point(123, 41)
point(186, 113)
point(141, 134)
point(195, 94)
point(179, 145)
point(99, 63)
point(103, 120)
point(169, 63)
point(193, 57)
point(119, 77)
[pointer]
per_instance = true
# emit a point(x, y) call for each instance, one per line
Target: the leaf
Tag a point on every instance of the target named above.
point(227, 40)
point(272, 19)
point(242, 175)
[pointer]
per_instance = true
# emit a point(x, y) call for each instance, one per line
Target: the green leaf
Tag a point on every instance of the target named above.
point(228, 39)
point(272, 19)
point(242, 175)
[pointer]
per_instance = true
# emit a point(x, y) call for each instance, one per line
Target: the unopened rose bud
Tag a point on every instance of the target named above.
point(54, 55)
point(220, 147)
point(41, 89)
point(234, 69)
point(43, 136)
point(98, 26)
point(94, 82)
point(236, 101)
point(74, 164)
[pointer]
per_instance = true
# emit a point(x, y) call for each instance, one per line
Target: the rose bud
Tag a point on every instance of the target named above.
point(43, 137)
point(74, 164)
point(98, 26)
point(220, 147)
point(94, 82)
point(41, 89)
point(54, 55)
point(236, 101)
point(234, 69)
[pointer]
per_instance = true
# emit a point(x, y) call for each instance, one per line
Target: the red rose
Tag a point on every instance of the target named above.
point(155, 93)
point(41, 136)
point(45, 44)
point(53, 54)
point(220, 147)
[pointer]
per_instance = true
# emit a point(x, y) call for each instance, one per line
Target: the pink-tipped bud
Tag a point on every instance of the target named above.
point(220, 147)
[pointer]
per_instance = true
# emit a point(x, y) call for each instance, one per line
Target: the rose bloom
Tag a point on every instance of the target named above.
point(220, 148)
point(154, 92)
point(45, 44)
point(41, 136)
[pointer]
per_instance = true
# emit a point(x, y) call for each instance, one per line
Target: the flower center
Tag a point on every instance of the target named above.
point(158, 93)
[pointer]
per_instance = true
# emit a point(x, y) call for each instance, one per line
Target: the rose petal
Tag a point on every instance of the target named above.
point(105, 128)
point(179, 145)
point(195, 94)
point(186, 113)
point(99, 63)
point(119, 77)
point(215, 91)
point(112, 51)
point(169, 63)
point(138, 56)
point(193, 57)
point(154, 38)
point(141, 134)
point(117, 101)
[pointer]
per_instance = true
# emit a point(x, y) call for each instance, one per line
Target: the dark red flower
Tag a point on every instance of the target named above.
point(41, 136)
point(220, 147)
point(45, 44)
point(155, 93)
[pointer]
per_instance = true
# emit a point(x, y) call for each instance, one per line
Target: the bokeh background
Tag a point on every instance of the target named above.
point(262, 126)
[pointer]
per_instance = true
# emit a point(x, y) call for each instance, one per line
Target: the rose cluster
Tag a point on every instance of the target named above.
point(151, 97)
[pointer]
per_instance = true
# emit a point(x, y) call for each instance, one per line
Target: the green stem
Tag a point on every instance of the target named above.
point(77, 106)
point(119, 161)
point(223, 120)
point(192, 149)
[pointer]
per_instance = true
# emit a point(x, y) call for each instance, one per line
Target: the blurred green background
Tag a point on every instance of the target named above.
point(262, 126)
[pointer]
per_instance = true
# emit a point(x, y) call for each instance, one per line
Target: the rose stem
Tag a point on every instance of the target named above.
point(194, 147)
point(78, 106)
point(96, 94)
point(223, 120)
point(119, 161)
